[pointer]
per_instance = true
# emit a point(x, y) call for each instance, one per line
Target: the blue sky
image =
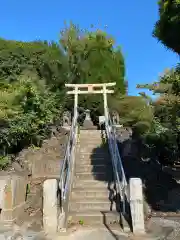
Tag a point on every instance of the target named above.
point(130, 22)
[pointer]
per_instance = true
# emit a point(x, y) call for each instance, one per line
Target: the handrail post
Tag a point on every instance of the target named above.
point(75, 102)
point(62, 193)
point(124, 204)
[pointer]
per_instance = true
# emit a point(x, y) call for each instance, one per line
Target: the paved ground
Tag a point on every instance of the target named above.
point(104, 234)
point(157, 229)
point(95, 234)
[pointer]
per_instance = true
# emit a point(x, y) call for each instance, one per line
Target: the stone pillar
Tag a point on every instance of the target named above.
point(2, 197)
point(136, 205)
point(50, 211)
point(12, 198)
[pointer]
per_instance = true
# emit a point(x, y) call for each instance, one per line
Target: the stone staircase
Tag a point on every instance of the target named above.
point(91, 200)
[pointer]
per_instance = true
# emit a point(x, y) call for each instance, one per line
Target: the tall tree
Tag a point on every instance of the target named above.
point(165, 129)
point(42, 58)
point(32, 77)
point(93, 59)
point(167, 28)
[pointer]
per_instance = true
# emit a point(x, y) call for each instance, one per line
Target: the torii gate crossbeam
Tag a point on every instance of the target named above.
point(98, 88)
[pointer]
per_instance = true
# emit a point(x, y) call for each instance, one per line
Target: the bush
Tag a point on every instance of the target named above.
point(27, 108)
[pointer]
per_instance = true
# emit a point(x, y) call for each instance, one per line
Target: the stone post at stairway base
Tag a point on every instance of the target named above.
point(50, 211)
point(136, 205)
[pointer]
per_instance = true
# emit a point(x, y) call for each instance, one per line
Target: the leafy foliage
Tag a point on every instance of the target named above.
point(167, 28)
point(93, 59)
point(42, 58)
point(165, 130)
point(134, 112)
point(27, 107)
point(32, 78)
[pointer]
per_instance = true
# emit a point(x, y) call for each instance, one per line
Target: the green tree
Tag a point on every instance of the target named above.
point(167, 27)
point(92, 58)
point(165, 129)
point(32, 93)
point(27, 107)
point(165, 134)
point(135, 112)
point(42, 58)
point(32, 78)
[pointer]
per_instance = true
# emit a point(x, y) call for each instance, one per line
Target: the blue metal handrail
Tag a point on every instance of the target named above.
point(121, 182)
point(66, 170)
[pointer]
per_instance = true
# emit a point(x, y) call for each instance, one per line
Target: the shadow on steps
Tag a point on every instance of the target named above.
point(102, 170)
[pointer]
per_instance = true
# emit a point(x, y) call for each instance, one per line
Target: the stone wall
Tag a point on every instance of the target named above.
point(12, 197)
point(32, 166)
point(46, 161)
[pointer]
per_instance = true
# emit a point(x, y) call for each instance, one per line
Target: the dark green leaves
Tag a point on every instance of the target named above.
point(167, 27)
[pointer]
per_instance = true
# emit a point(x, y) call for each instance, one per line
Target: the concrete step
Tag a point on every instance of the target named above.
point(89, 145)
point(94, 217)
point(94, 153)
point(91, 205)
point(92, 161)
point(90, 139)
point(115, 230)
point(90, 183)
point(93, 143)
point(91, 168)
point(95, 150)
point(103, 176)
point(93, 132)
point(125, 223)
point(94, 158)
point(79, 193)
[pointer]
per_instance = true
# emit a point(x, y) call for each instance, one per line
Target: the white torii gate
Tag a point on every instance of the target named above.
point(98, 88)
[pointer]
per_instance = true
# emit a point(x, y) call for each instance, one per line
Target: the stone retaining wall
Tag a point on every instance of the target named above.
point(31, 164)
point(12, 197)
point(45, 161)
